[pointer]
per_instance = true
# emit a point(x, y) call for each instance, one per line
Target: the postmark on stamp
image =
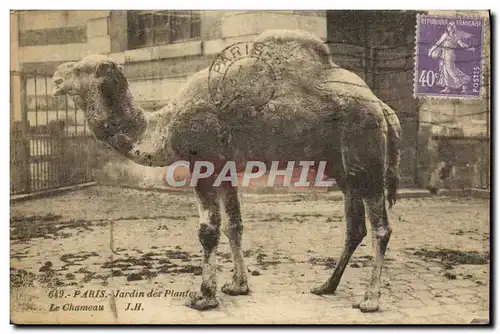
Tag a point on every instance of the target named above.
point(449, 57)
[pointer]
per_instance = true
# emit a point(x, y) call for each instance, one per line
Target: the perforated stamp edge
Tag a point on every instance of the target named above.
point(415, 61)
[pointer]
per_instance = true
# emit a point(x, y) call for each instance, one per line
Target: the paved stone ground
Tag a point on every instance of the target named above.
point(437, 268)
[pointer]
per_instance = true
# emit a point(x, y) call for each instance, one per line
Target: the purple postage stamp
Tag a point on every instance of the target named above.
point(449, 57)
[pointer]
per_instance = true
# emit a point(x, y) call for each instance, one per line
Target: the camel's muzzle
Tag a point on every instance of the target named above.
point(58, 88)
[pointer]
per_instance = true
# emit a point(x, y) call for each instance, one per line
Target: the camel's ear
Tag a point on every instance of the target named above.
point(102, 69)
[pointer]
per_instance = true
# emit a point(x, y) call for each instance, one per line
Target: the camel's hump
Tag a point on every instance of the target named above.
point(304, 38)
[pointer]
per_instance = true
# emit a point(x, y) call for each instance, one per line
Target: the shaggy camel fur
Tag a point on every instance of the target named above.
point(317, 112)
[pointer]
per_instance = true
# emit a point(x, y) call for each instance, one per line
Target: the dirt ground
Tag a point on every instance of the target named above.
point(437, 268)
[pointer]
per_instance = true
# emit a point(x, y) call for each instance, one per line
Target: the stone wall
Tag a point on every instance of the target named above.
point(49, 38)
point(456, 133)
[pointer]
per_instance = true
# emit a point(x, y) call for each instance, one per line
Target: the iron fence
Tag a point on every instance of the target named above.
point(50, 145)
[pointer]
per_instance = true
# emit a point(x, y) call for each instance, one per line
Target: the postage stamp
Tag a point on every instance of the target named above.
point(449, 57)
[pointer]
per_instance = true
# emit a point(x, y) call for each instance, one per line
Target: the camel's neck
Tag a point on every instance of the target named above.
point(108, 118)
point(134, 133)
point(80, 102)
point(151, 148)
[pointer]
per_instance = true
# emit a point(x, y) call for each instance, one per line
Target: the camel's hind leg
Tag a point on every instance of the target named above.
point(209, 234)
point(239, 284)
point(381, 233)
point(370, 185)
point(355, 232)
point(364, 149)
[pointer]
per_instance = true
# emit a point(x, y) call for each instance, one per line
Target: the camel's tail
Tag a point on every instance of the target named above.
point(393, 153)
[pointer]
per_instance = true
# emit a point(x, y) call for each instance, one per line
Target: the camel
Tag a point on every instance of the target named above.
point(318, 112)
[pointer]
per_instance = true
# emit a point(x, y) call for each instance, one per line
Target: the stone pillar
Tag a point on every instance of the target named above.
point(118, 30)
point(210, 23)
point(98, 38)
point(15, 78)
point(241, 23)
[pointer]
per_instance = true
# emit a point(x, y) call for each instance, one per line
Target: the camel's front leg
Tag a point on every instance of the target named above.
point(209, 233)
point(239, 284)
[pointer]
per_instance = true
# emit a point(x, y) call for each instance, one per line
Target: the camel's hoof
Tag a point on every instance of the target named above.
point(323, 290)
point(202, 303)
point(366, 305)
point(233, 289)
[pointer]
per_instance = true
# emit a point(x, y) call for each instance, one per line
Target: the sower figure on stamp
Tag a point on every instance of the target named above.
point(450, 76)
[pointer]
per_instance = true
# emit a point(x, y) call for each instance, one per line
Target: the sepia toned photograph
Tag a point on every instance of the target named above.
point(250, 167)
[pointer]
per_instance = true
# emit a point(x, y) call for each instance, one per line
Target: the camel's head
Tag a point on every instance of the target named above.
point(98, 74)
point(110, 111)
point(63, 79)
point(77, 78)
